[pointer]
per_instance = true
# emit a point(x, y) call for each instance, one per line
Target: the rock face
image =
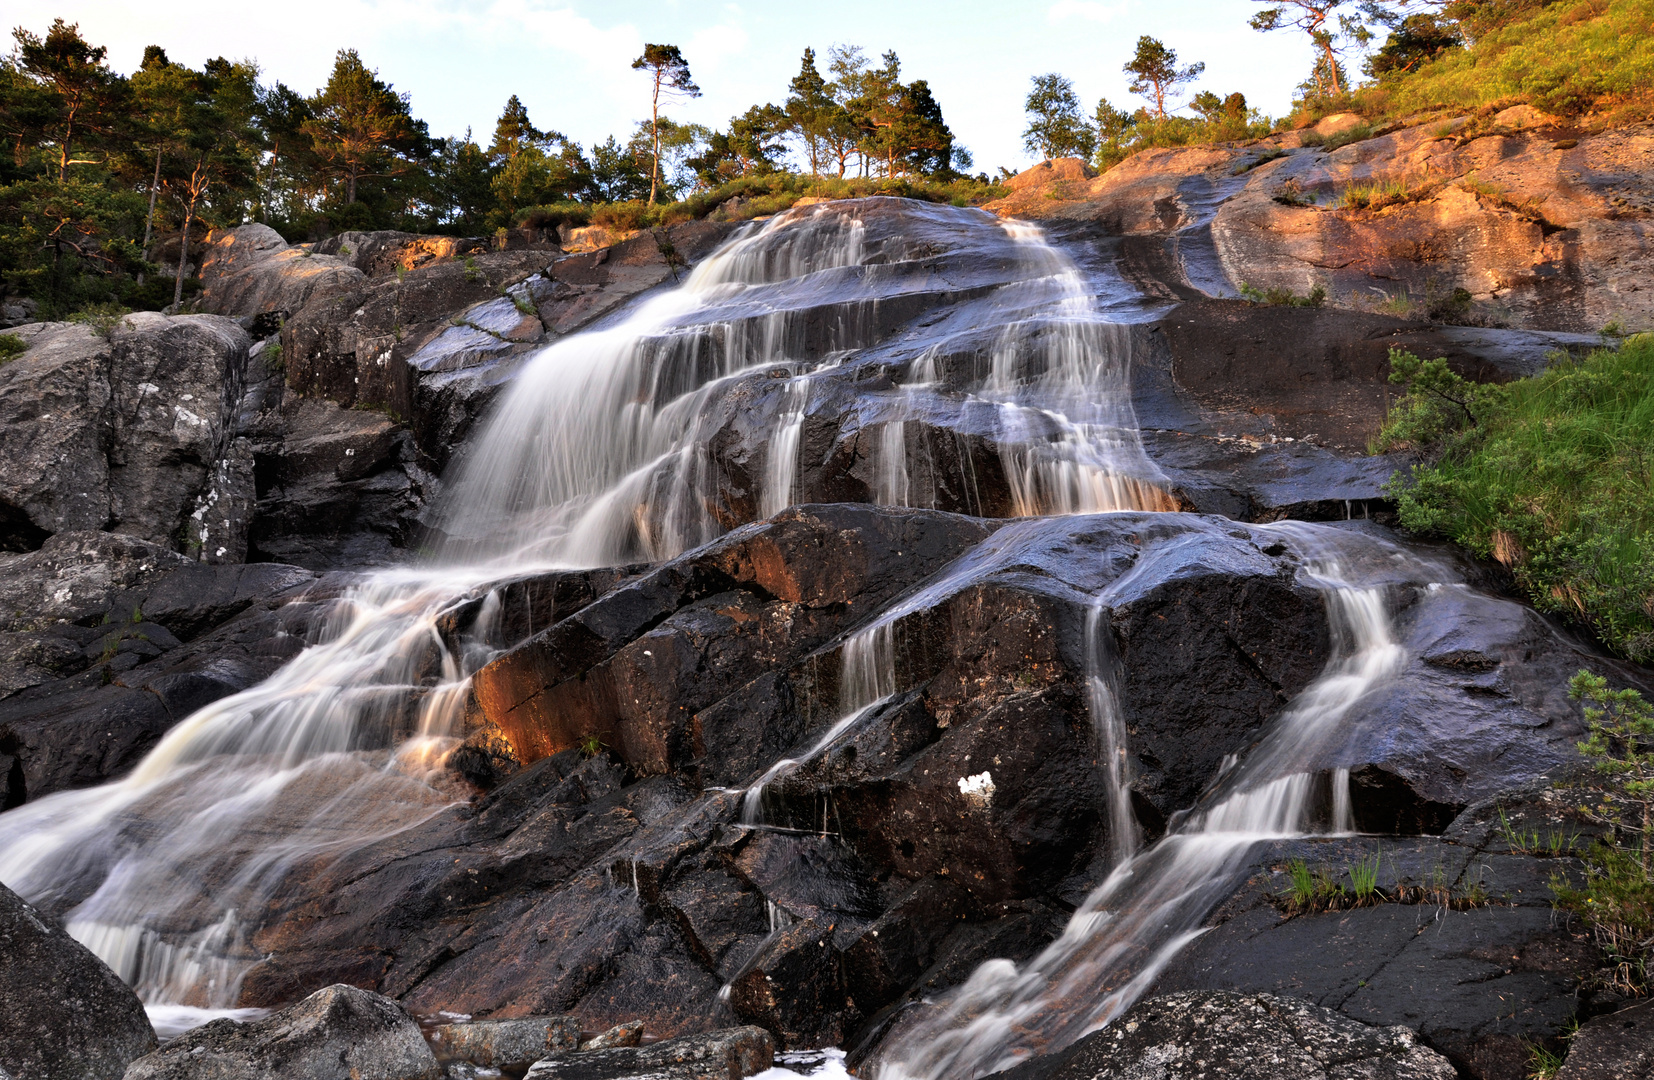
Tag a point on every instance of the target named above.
point(250, 271)
point(1473, 959)
point(732, 1054)
point(337, 1033)
point(131, 433)
point(1239, 1037)
point(63, 1013)
point(1542, 226)
point(106, 641)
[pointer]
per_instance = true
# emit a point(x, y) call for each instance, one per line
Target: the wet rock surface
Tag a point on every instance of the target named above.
point(1244, 1036)
point(1463, 946)
point(132, 639)
point(337, 1033)
point(63, 1013)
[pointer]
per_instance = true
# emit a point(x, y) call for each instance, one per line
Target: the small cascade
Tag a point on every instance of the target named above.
point(867, 679)
point(781, 467)
point(890, 483)
point(1124, 834)
point(1152, 904)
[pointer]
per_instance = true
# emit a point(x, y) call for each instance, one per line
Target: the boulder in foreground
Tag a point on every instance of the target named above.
point(63, 1014)
point(337, 1033)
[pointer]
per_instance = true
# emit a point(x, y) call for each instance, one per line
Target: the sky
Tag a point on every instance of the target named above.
point(570, 60)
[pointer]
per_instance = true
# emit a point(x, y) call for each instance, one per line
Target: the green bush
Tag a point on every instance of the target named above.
point(1552, 476)
point(11, 347)
point(1283, 297)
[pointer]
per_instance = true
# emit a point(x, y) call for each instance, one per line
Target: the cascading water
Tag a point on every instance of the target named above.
point(598, 454)
point(1150, 907)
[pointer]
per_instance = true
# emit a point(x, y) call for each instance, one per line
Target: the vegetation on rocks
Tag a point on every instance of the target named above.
point(1551, 476)
point(1617, 897)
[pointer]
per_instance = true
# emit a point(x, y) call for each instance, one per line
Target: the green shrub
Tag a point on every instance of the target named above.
point(101, 319)
point(1551, 476)
point(11, 347)
point(1283, 297)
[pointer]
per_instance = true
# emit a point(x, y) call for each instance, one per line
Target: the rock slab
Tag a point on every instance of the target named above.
point(63, 1014)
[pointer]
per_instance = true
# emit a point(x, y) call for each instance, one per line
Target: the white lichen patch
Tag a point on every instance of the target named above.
point(978, 790)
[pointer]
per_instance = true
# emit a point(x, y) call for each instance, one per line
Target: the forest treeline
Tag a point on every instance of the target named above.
point(110, 176)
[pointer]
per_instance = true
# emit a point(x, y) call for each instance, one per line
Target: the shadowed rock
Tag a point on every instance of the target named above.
point(63, 1013)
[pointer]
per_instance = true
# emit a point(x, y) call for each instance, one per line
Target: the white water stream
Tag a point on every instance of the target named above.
point(1152, 903)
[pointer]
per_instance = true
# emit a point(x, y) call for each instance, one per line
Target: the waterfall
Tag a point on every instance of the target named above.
point(1151, 905)
point(597, 454)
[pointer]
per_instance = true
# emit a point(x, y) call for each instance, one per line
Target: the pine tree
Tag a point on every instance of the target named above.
point(360, 127)
point(811, 111)
point(1331, 31)
point(668, 74)
point(85, 108)
point(1155, 73)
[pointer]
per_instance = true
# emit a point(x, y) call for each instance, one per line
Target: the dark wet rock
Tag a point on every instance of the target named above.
point(729, 1054)
point(766, 592)
point(1323, 373)
point(132, 432)
point(507, 1044)
point(1239, 1036)
point(337, 1033)
point(87, 721)
point(63, 1013)
point(1475, 960)
point(1619, 1046)
point(337, 487)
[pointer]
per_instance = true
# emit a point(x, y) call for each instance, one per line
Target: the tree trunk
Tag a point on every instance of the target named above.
point(654, 130)
point(350, 186)
point(183, 257)
point(149, 222)
point(197, 187)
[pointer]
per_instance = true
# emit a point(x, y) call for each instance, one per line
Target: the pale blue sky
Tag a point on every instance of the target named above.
point(569, 60)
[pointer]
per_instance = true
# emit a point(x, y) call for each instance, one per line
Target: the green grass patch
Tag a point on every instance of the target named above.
point(11, 347)
point(1566, 58)
point(1552, 476)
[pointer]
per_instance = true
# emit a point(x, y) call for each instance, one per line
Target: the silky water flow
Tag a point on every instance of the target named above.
point(598, 454)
